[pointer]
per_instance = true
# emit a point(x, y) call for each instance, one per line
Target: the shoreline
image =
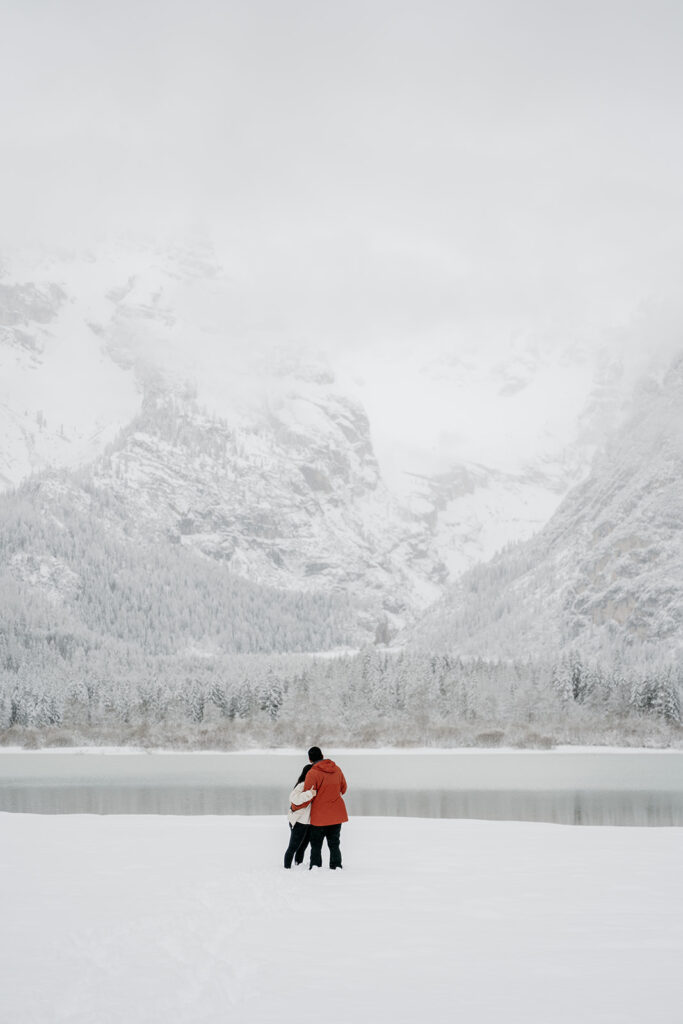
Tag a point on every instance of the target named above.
point(336, 751)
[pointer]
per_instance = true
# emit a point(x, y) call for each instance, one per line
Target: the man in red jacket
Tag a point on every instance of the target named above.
point(328, 810)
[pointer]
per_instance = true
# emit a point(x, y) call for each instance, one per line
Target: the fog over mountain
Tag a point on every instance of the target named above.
point(320, 310)
point(377, 174)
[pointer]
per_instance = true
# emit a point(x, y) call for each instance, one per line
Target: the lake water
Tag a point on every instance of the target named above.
point(571, 787)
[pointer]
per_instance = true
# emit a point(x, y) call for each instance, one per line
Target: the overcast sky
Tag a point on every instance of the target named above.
point(380, 171)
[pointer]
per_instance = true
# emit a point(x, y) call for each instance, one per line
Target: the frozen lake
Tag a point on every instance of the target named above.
point(566, 786)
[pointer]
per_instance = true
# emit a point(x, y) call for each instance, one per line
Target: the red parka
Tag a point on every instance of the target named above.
point(328, 807)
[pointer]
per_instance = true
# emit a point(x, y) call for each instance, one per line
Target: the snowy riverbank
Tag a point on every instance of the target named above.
point(192, 920)
point(340, 751)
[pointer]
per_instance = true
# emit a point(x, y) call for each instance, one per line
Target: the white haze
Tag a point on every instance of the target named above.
point(395, 186)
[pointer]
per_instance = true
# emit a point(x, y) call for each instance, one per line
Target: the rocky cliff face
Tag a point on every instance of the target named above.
point(606, 573)
point(294, 508)
point(131, 369)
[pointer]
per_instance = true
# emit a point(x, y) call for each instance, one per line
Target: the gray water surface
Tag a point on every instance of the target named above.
point(570, 787)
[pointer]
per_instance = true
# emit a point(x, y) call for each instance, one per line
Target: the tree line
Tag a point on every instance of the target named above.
point(368, 698)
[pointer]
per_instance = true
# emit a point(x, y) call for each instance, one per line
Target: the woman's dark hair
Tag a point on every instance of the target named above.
point(304, 772)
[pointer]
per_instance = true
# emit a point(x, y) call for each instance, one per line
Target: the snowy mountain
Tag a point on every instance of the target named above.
point(606, 572)
point(297, 504)
point(76, 576)
point(62, 399)
point(503, 439)
point(202, 430)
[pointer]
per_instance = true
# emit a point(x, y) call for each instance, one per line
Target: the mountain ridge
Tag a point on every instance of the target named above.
point(90, 344)
point(604, 573)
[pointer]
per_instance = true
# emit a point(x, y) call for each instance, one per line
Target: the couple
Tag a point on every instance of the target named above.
point(317, 811)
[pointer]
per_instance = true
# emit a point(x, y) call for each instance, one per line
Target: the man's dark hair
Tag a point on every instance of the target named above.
point(315, 754)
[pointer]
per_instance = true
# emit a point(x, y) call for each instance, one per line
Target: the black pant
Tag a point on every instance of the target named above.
point(298, 841)
point(333, 835)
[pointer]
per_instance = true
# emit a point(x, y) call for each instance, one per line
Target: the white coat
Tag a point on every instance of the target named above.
point(299, 795)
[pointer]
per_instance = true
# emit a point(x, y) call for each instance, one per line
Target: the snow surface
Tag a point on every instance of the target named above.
point(154, 919)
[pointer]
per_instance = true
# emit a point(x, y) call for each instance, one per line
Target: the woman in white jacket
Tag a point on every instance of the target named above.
point(299, 819)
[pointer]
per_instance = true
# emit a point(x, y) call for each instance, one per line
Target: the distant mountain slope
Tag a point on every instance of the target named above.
point(73, 567)
point(255, 451)
point(295, 504)
point(606, 573)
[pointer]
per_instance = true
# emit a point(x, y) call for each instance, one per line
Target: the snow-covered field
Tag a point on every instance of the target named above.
point(138, 920)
